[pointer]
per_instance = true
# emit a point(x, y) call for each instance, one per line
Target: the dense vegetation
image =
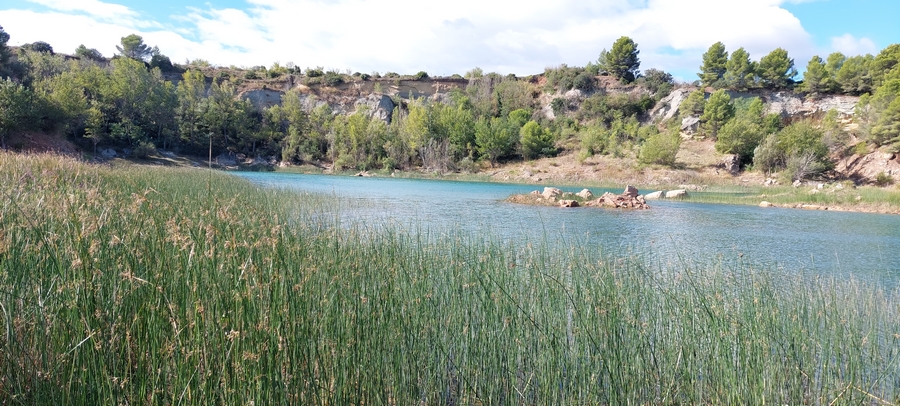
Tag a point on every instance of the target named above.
point(134, 285)
point(140, 101)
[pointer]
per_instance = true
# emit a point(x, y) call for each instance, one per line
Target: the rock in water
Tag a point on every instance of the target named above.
point(551, 193)
point(676, 194)
point(585, 194)
point(630, 191)
point(655, 195)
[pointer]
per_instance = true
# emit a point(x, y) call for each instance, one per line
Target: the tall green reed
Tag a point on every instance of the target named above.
point(177, 286)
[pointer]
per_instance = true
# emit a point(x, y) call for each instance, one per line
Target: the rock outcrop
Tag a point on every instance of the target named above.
point(629, 199)
point(676, 194)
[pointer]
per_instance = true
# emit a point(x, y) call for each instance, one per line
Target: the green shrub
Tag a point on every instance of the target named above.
point(661, 148)
point(883, 179)
point(421, 75)
point(143, 150)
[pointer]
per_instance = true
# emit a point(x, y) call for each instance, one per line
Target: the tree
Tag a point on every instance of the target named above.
point(493, 138)
point(133, 47)
point(833, 65)
point(158, 60)
point(717, 112)
point(191, 92)
point(4, 51)
point(741, 135)
point(39, 46)
point(715, 60)
point(885, 105)
point(535, 140)
point(855, 76)
point(658, 82)
point(776, 70)
point(816, 79)
point(19, 109)
point(622, 60)
point(92, 53)
point(886, 61)
point(740, 71)
point(694, 104)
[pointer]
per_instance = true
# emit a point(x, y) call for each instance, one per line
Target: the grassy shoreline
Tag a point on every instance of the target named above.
point(188, 286)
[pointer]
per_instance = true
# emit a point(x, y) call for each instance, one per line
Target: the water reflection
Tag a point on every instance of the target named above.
point(837, 243)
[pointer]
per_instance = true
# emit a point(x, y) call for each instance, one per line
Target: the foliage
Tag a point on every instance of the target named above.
point(421, 75)
point(86, 53)
point(20, 109)
point(536, 141)
point(38, 46)
point(715, 61)
point(143, 150)
point(133, 47)
point(883, 179)
point(494, 139)
point(776, 70)
point(740, 72)
point(661, 147)
point(885, 105)
point(658, 82)
point(621, 61)
point(855, 76)
point(560, 106)
point(886, 61)
point(740, 136)
point(716, 113)
point(816, 78)
point(4, 51)
point(694, 104)
point(798, 149)
point(593, 141)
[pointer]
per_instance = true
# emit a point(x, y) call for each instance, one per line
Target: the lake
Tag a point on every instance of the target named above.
point(861, 245)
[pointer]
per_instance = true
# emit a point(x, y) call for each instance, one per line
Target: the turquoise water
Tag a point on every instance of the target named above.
point(863, 245)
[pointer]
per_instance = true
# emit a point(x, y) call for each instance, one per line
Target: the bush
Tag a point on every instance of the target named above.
point(536, 141)
point(584, 81)
point(144, 150)
point(883, 179)
point(661, 148)
point(421, 75)
point(559, 106)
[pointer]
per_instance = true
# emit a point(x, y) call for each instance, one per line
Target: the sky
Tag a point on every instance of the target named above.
point(443, 37)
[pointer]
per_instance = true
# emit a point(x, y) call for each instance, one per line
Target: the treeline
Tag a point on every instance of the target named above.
point(803, 148)
point(836, 74)
point(140, 100)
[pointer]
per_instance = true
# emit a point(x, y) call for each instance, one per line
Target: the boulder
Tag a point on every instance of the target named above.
point(654, 196)
point(551, 193)
point(108, 153)
point(622, 201)
point(585, 194)
point(568, 203)
point(770, 182)
point(630, 191)
point(732, 164)
point(690, 125)
point(676, 194)
point(765, 204)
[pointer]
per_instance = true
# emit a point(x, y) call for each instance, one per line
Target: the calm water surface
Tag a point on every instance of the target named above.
point(817, 242)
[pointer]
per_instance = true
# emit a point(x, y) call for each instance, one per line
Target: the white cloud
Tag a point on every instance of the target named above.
point(445, 37)
point(849, 45)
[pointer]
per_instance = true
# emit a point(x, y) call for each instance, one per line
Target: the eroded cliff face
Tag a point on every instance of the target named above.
point(379, 97)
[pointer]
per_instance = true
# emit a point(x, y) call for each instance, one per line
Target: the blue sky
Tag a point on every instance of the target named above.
point(454, 36)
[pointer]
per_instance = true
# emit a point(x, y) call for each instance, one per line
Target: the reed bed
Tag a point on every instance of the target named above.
point(175, 286)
